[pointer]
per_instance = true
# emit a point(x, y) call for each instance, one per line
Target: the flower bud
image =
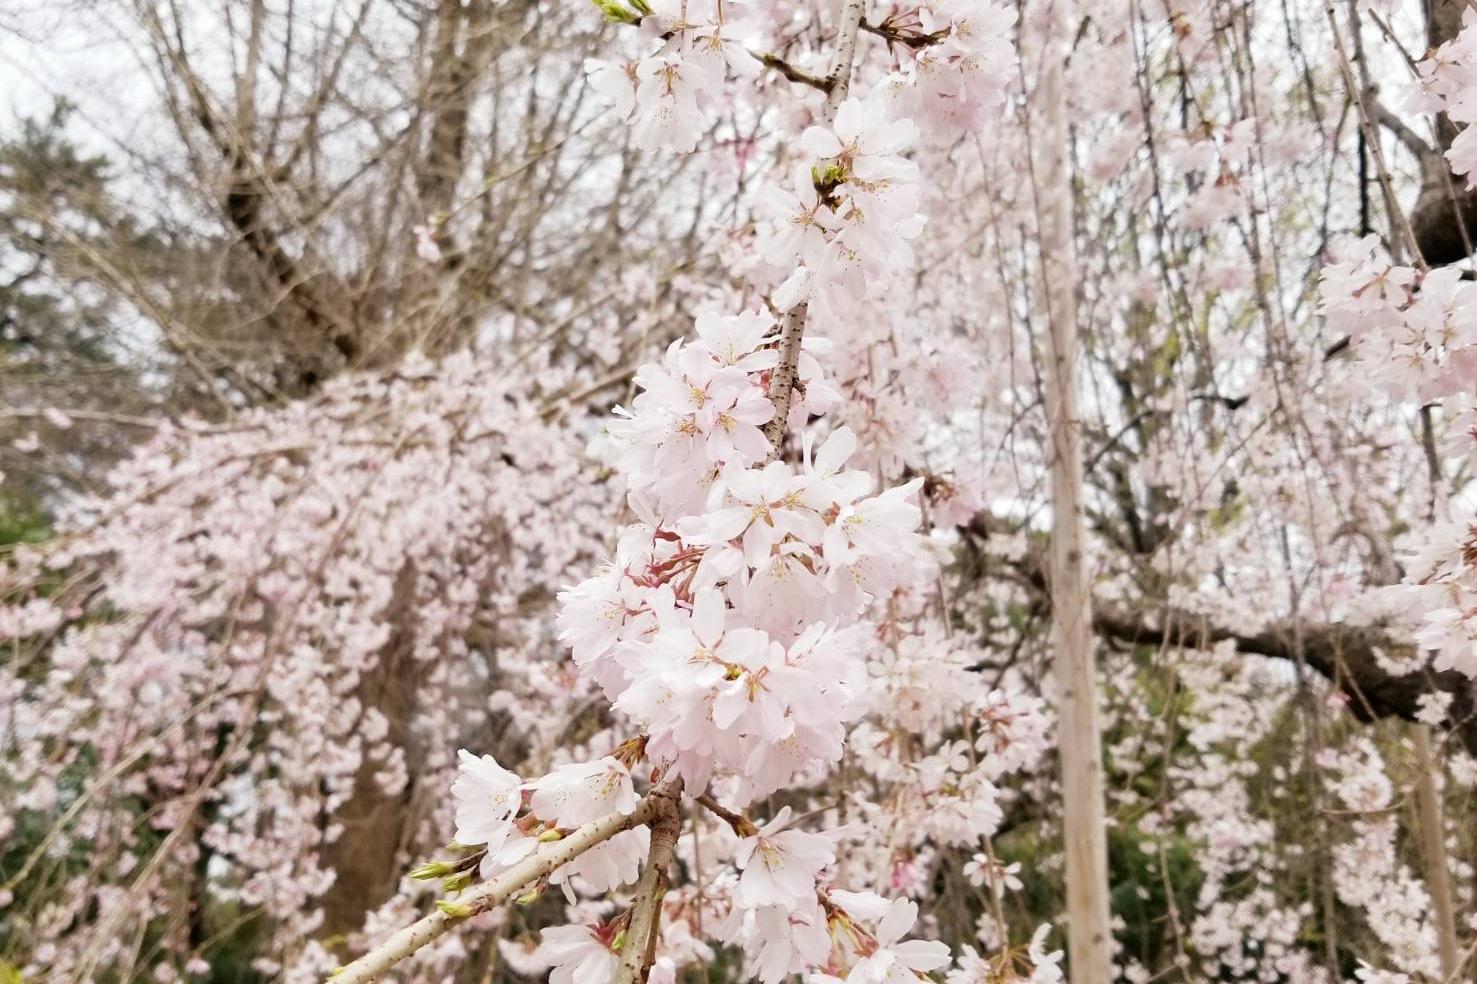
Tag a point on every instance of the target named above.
point(432, 869)
point(454, 910)
point(458, 881)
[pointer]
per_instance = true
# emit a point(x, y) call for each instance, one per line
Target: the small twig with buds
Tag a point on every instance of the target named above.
point(791, 72)
point(742, 826)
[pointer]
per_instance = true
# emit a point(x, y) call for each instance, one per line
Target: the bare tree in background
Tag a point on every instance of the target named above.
point(314, 151)
point(334, 185)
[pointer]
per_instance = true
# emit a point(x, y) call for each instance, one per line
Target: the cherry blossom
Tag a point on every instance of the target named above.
point(780, 866)
point(487, 796)
point(575, 794)
point(578, 955)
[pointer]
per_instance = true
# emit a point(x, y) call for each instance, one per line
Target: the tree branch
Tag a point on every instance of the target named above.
point(791, 72)
point(741, 825)
point(497, 890)
point(792, 334)
point(645, 926)
point(1382, 115)
point(1349, 656)
point(896, 35)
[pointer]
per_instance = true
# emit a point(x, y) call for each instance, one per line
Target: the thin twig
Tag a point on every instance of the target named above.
point(741, 825)
point(792, 332)
point(791, 72)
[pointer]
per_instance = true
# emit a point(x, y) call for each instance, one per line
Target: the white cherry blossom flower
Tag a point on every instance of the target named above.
point(779, 865)
point(575, 794)
point(487, 796)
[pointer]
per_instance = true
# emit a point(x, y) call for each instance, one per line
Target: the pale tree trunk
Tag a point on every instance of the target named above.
point(1078, 738)
point(1433, 849)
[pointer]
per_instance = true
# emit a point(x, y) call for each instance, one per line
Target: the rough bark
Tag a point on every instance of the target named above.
point(376, 825)
point(646, 912)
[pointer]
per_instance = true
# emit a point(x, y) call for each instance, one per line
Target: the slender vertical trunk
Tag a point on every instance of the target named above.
point(1433, 849)
point(1078, 738)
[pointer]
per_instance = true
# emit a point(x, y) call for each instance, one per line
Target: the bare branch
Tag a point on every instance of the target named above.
point(1382, 115)
point(791, 72)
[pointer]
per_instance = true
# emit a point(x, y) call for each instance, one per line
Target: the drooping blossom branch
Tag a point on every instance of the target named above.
point(730, 627)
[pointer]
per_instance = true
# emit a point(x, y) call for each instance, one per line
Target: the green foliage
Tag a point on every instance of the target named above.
point(54, 204)
point(21, 520)
point(1154, 880)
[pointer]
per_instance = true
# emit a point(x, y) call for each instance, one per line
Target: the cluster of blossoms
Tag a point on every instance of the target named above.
point(1031, 964)
point(950, 797)
point(843, 220)
point(1368, 872)
point(759, 623)
point(731, 628)
point(229, 622)
point(692, 46)
point(701, 411)
point(957, 65)
point(957, 82)
point(728, 630)
point(729, 634)
point(1238, 928)
point(1448, 84)
point(508, 818)
point(846, 220)
point(1415, 334)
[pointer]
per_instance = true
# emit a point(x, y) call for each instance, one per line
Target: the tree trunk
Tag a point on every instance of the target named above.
point(366, 858)
point(1078, 739)
point(468, 39)
point(1433, 849)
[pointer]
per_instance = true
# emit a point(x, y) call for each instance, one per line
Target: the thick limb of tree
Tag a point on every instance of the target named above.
point(1348, 655)
point(1444, 217)
point(1351, 657)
